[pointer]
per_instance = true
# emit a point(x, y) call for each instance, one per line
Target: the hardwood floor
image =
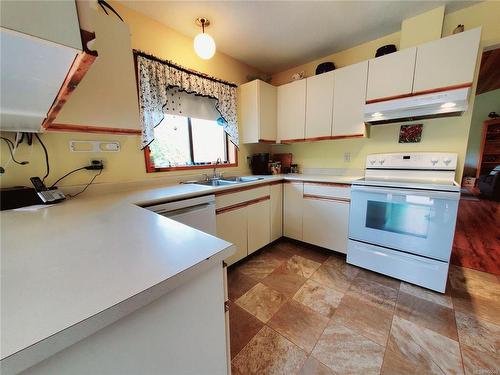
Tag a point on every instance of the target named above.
point(477, 236)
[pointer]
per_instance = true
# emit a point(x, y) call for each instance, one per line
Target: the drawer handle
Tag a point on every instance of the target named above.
point(325, 198)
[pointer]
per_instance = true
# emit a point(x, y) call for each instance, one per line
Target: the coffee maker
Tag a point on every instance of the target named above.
point(260, 163)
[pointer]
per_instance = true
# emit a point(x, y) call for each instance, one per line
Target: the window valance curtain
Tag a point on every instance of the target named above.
point(156, 78)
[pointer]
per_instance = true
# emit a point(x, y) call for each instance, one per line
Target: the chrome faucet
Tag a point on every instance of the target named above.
point(216, 176)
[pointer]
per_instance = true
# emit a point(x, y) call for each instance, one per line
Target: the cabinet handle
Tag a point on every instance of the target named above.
point(324, 198)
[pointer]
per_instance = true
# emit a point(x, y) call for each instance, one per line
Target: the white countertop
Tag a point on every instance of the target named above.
point(63, 264)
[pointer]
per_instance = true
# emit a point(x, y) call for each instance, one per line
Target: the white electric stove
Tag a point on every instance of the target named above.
point(402, 217)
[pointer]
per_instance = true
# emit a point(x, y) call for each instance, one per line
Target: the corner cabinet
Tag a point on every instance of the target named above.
point(447, 63)
point(258, 224)
point(257, 112)
point(391, 76)
point(349, 100)
point(292, 111)
point(292, 210)
point(319, 106)
point(276, 211)
point(232, 227)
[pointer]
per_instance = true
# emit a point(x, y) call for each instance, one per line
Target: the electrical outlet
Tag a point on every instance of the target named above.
point(96, 164)
point(347, 157)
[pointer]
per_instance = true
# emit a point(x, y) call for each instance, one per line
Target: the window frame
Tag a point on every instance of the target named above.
point(231, 152)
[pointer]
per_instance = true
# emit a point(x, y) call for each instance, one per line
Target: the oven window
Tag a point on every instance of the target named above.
point(402, 218)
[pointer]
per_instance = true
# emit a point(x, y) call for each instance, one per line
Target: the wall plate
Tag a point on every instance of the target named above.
point(94, 146)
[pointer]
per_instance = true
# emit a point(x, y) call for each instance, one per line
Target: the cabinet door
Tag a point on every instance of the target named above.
point(267, 112)
point(292, 110)
point(259, 225)
point(391, 75)
point(292, 210)
point(319, 105)
point(248, 111)
point(106, 98)
point(232, 227)
point(276, 211)
point(349, 99)
point(326, 223)
point(447, 62)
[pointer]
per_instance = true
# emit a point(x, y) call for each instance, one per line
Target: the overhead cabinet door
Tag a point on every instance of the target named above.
point(319, 105)
point(391, 76)
point(446, 62)
point(292, 111)
point(349, 100)
point(257, 110)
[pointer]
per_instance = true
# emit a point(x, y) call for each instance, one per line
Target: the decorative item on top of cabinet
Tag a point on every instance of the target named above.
point(292, 111)
point(391, 76)
point(446, 63)
point(349, 100)
point(257, 106)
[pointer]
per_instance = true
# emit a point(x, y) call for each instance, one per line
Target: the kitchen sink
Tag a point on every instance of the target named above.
point(227, 181)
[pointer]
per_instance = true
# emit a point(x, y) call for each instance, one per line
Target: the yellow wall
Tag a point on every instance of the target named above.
point(128, 165)
point(446, 135)
point(422, 28)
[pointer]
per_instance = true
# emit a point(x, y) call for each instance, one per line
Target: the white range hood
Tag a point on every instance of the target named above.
point(433, 105)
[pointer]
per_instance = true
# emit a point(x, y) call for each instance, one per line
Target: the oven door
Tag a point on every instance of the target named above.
point(415, 221)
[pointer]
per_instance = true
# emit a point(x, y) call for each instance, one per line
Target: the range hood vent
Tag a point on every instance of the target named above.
point(434, 105)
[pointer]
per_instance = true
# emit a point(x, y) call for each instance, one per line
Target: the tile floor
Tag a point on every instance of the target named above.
point(297, 309)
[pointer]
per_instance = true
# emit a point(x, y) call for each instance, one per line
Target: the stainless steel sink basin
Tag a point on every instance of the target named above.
point(228, 181)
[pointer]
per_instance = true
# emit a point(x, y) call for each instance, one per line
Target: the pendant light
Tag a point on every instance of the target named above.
point(204, 44)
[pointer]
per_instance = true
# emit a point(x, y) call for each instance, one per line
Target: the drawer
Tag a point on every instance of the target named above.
point(429, 273)
point(328, 190)
point(228, 198)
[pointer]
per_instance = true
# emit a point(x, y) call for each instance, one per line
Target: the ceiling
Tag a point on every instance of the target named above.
point(273, 36)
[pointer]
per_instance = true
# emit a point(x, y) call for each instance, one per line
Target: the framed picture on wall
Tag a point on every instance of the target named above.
point(410, 133)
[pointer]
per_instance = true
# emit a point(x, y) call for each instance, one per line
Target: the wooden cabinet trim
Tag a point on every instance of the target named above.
point(440, 89)
point(267, 141)
point(242, 188)
point(81, 65)
point(241, 205)
point(337, 184)
point(325, 198)
point(325, 138)
point(90, 129)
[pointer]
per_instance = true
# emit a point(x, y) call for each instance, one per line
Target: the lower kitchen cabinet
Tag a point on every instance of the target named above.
point(276, 211)
point(258, 225)
point(325, 223)
point(292, 210)
point(232, 227)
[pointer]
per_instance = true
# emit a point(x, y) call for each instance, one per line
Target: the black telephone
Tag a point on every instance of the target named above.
point(47, 195)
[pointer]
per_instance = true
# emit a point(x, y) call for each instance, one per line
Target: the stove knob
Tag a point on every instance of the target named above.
point(381, 162)
point(434, 161)
point(447, 161)
point(372, 161)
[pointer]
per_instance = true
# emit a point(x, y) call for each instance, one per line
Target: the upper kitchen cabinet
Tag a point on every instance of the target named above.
point(391, 76)
point(106, 100)
point(447, 63)
point(257, 106)
point(349, 100)
point(292, 111)
point(42, 62)
point(319, 106)
point(54, 21)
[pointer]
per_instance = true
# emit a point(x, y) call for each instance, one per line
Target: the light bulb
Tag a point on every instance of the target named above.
point(377, 114)
point(448, 105)
point(204, 46)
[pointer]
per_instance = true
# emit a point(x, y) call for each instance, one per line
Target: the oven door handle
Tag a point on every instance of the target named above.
point(397, 191)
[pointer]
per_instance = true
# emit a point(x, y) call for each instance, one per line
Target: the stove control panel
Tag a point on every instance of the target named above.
point(413, 160)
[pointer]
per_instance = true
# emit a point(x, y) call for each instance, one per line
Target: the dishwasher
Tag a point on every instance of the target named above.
point(197, 212)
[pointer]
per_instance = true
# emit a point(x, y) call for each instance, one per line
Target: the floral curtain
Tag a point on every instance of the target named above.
point(157, 77)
